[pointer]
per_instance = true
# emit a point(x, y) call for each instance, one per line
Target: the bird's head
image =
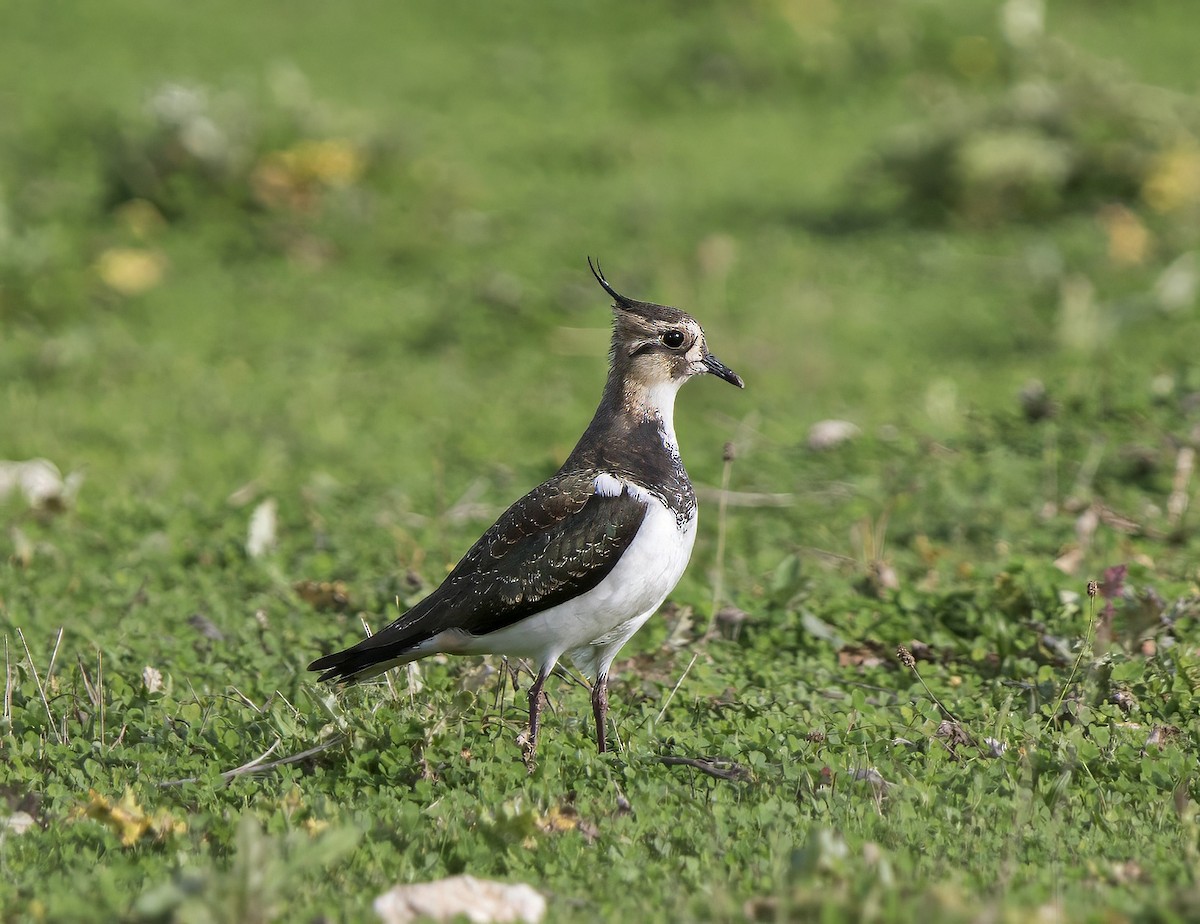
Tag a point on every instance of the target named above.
point(656, 346)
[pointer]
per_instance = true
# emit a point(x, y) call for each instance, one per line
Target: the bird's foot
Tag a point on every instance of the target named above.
point(528, 746)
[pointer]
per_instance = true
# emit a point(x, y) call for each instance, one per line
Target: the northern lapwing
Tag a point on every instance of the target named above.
point(578, 564)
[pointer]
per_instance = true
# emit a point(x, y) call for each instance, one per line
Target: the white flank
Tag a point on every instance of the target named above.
point(592, 627)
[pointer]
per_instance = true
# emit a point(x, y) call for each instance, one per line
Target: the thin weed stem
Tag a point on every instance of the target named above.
point(387, 676)
point(41, 691)
point(907, 659)
point(100, 690)
point(675, 689)
point(1092, 590)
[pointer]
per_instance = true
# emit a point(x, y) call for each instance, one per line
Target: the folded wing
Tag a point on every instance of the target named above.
point(557, 542)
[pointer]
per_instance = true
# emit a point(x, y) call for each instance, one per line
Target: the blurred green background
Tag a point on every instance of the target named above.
point(333, 256)
point(338, 237)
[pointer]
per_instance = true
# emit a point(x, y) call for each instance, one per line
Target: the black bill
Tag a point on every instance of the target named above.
point(722, 371)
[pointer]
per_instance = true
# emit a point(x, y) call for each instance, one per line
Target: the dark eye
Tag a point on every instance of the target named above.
point(673, 339)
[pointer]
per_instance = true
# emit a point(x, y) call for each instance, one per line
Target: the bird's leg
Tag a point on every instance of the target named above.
point(535, 707)
point(600, 710)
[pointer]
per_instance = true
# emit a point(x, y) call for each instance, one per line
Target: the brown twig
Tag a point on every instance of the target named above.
point(718, 768)
point(258, 766)
point(744, 498)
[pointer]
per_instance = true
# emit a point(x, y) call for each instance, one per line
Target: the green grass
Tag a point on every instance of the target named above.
point(395, 361)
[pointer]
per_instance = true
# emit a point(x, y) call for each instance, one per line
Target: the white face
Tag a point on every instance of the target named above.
point(667, 353)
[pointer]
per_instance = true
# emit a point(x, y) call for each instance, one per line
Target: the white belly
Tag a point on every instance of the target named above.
point(591, 628)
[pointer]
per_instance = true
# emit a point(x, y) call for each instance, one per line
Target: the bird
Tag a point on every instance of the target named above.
point(576, 566)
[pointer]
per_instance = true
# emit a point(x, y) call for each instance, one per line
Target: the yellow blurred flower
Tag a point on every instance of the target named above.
point(1174, 180)
point(291, 178)
point(131, 270)
point(333, 162)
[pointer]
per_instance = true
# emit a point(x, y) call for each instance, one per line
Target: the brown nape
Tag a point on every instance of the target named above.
point(626, 437)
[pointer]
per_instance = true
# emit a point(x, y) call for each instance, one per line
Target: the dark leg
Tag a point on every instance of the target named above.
point(535, 707)
point(600, 711)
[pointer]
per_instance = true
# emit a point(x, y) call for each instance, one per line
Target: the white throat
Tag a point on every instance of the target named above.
point(657, 402)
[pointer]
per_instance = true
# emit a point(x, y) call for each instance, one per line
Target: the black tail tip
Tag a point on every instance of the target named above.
point(333, 667)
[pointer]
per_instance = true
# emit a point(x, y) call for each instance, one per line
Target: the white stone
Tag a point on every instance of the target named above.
point(19, 822)
point(260, 537)
point(828, 434)
point(40, 481)
point(480, 901)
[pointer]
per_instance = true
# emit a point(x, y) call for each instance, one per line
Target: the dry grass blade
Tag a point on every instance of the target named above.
point(41, 691)
point(251, 765)
point(722, 516)
point(387, 676)
point(8, 682)
point(675, 689)
point(258, 767)
point(54, 655)
point(88, 686)
point(245, 699)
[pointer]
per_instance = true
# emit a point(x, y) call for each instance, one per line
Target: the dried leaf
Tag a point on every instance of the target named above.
point(129, 821)
point(952, 734)
point(867, 654)
point(152, 678)
point(1129, 240)
point(323, 595)
point(1161, 735)
point(565, 818)
point(872, 777)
